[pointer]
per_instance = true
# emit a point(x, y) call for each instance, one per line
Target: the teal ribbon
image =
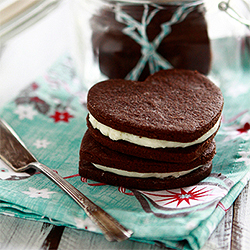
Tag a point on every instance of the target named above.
point(137, 31)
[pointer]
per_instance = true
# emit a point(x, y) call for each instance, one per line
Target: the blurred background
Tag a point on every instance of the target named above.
point(33, 34)
point(31, 44)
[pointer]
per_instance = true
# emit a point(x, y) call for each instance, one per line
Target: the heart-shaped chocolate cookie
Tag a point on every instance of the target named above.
point(173, 112)
point(173, 105)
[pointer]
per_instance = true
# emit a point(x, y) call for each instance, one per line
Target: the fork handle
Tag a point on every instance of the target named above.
point(111, 228)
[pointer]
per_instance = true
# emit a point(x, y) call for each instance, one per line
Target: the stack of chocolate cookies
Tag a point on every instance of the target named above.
point(151, 135)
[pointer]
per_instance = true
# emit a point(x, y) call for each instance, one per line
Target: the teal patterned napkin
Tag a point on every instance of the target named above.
point(49, 116)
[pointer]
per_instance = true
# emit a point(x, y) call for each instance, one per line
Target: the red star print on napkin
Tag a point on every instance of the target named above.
point(245, 128)
point(61, 116)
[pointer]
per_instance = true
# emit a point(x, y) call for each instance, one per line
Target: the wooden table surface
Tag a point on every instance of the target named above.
point(233, 233)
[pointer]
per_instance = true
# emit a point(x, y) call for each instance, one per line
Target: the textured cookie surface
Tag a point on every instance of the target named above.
point(173, 105)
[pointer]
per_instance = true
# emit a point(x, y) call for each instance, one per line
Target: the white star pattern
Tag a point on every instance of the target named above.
point(41, 143)
point(245, 157)
point(35, 193)
point(25, 111)
point(6, 172)
point(86, 224)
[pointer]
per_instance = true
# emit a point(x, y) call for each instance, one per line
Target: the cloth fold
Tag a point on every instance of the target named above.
point(49, 115)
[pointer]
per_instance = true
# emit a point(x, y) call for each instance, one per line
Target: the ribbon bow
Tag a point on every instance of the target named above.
point(137, 31)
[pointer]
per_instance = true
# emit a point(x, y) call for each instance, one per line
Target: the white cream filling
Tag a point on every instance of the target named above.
point(143, 175)
point(116, 135)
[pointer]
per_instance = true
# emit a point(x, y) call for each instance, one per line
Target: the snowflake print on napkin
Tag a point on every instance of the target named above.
point(35, 193)
point(86, 224)
point(244, 157)
point(25, 111)
point(41, 143)
point(6, 173)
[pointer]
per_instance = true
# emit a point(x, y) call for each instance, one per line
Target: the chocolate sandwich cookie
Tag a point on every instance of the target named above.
point(96, 153)
point(102, 164)
point(87, 170)
point(171, 110)
point(180, 155)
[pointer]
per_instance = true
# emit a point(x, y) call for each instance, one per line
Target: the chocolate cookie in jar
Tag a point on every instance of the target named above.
point(133, 39)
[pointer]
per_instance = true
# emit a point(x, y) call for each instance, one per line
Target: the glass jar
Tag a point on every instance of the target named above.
point(133, 39)
point(229, 34)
